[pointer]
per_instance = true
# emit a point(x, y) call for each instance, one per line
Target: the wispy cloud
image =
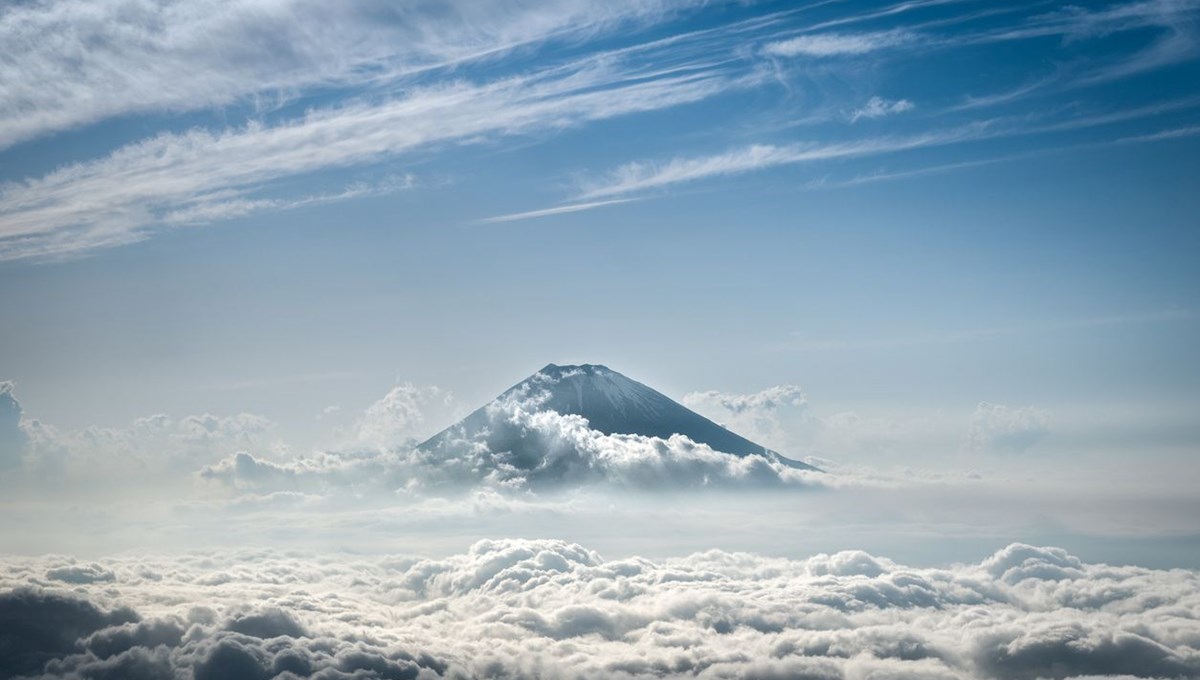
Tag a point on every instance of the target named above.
point(1177, 43)
point(999, 98)
point(557, 210)
point(216, 207)
point(891, 10)
point(1175, 20)
point(198, 176)
point(837, 44)
point(70, 63)
point(641, 176)
point(878, 107)
point(1074, 23)
point(74, 62)
point(826, 182)
point(1174, 133)
point(884, 176)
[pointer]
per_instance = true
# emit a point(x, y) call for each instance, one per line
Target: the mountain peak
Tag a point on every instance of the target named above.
point(587, 369)
point(612, 404)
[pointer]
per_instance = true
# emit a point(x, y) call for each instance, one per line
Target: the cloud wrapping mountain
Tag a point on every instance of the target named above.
point(571, 454)
point(565, 426)
point(551, 609)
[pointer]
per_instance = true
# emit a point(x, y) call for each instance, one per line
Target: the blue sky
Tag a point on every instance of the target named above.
point(915, 211)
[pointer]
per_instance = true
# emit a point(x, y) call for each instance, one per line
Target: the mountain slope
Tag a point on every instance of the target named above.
point(612, 404)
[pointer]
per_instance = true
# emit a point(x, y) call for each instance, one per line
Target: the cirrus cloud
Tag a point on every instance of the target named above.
point(837, 44)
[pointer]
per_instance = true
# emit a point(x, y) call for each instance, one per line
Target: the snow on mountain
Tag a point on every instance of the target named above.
point(612, 404)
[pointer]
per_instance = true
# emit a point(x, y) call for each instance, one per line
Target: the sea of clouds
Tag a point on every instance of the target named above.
point(329, 600)
point(552, 609)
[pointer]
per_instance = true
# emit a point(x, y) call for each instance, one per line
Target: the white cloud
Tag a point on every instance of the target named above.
point(158, 447)
point(202, 175)
point(198, 176)
point(1173, 133)
point(999, 428)
point(557, 210)
point(69, 63)
point(643, 176)
point(757, 415)
point(403, 414)
point(878, 107)
point(13, 438)
point(639, 176)
point(1075, 23)
point(552, 609)
point(76, 62)
point(222, 206)
point(769, 399)
point(154, 444)
point(837, 44)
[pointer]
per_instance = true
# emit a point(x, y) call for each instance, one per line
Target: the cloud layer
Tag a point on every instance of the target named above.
point(550, 609)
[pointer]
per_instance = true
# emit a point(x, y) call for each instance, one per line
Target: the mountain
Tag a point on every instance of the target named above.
point(612, 404)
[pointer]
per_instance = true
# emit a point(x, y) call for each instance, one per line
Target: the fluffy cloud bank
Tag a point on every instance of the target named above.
point(550, 609)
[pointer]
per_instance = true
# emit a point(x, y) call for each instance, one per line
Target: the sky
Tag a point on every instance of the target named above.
point(253, 251)
point(962, 234)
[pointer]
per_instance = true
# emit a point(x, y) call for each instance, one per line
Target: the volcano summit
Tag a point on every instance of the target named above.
point(611, 403)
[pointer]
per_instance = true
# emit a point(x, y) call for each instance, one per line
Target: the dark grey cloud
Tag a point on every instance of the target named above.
point(80, 573)
point(46, 635)
point(38, 626)
point(1075, 649)
point(266, 624)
